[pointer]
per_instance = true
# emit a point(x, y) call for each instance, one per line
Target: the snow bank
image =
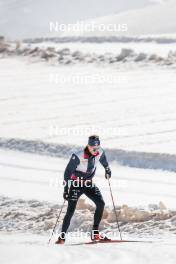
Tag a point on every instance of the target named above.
point(33, 216)
point(67, 57)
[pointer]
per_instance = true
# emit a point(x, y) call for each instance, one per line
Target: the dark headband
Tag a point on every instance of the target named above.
point(94, 141)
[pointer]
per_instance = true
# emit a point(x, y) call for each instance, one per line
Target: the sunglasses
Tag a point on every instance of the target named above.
point(95, 149)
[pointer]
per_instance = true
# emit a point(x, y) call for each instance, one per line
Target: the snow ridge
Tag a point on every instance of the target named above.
point(126, 158)
point(160, 39)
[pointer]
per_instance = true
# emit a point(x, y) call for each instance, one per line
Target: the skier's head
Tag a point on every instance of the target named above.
point(93, 144)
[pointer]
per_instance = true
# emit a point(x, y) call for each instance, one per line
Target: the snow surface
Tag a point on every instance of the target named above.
point(23, 249)
point(140, 103)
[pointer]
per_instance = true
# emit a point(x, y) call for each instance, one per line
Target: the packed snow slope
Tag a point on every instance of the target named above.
point(132, 106)
point(151, 20)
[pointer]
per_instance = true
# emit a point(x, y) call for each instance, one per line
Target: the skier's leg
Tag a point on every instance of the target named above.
point(95, 195)
point(74, 194)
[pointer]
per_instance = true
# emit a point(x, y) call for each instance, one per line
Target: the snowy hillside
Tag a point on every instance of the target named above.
point(153, 19)
point(156, 19)
point(28, 18)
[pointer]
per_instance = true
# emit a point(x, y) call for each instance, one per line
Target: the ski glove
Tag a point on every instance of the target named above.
point(107, 173)
point(65, 194)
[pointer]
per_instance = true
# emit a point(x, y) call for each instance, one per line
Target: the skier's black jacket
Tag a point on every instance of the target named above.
point(83, 165)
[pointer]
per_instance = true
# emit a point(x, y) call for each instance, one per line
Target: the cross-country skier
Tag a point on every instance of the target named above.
point(78, 177)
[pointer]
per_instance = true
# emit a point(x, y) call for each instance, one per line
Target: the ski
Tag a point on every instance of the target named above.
point(123, 241)
point(109, 242)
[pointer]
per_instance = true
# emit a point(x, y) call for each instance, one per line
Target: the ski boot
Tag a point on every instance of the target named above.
point(96, 236)
point(61, 239)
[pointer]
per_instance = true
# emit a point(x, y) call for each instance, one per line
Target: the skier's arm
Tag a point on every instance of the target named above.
point(71, 167)
point(104, 163)
point(103, 160)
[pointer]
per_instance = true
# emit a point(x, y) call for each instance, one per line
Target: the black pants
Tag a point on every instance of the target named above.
point(91, 192)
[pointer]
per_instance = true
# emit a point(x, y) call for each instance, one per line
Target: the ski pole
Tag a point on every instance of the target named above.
point(114, 209)
point(56, 221)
